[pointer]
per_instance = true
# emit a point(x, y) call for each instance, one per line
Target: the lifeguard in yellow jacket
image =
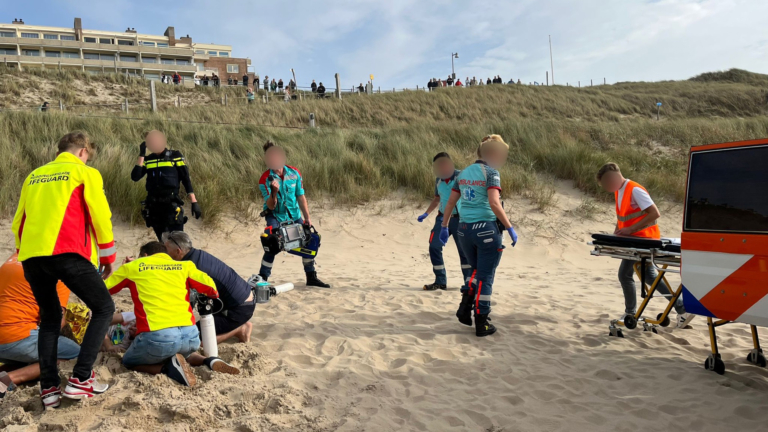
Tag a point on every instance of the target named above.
point(63, 228)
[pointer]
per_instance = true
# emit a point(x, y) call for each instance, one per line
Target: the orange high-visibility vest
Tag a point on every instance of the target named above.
point(627, 216)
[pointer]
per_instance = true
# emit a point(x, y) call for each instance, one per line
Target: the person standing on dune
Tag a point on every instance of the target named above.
point(481, 225)
point(446, 173)
point(282, 188)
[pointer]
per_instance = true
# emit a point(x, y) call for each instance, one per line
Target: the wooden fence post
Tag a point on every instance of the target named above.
point(152, 96)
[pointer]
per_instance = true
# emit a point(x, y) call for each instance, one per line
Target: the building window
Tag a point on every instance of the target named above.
point(90, 39)
point(53, 54)
point(151, 76)
point(7, 51)
point(127, 58)
point(223, 54)
point(105, 41)
point(7, 34)
point(167, 61)
point(90, 56)
point(51, 36)
point(162, 45)
point(107, 57)
point(31, 35)
point(233, 68)
point(31, 53)
point(67, 37)
point(182, 62)
point(146, 43)
point(200, 67)
point(213, 53)
point(149, 60)
point(69, 54)
point(124, 42)
point(199, 51)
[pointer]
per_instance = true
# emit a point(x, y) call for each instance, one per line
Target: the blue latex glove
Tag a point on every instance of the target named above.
point(422, 217)
point(444, 234)
point(513, 235)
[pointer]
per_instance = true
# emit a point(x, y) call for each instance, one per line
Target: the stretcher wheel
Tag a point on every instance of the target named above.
point(714, 364)
point(664, 323)
point(757, 359)
point(630, 322)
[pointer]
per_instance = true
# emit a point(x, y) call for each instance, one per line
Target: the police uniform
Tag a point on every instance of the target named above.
point(479, 236)
point(163, 207)
point(443, 188)
point(286, 210)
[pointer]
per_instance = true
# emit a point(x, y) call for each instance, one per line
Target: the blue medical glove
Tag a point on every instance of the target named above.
point(513, 235)
point(444, 234)
point(422, 217)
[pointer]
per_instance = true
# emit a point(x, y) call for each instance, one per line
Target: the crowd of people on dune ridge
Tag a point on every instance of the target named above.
point(451, 82)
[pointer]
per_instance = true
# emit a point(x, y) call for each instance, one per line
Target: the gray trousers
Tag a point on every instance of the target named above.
point(627, 280)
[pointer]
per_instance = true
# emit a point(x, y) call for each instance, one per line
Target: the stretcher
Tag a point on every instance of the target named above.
point(664, 255)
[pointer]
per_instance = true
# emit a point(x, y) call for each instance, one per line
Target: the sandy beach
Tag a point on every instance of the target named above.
point(376, 353)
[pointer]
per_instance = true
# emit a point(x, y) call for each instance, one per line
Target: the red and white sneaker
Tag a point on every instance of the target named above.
point(89, 388)
point(51, 397)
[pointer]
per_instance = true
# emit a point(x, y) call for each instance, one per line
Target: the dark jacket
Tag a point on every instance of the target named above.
point(164, 173)
point(233, 290)
point(314, 87)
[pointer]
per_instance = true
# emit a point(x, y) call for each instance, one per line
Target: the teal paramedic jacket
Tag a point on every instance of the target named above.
point(443, 190)
point(473, 184)
point(291, 187)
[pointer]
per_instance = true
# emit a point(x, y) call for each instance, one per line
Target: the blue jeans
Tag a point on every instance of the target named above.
point(436, 250)
point(269, 257)
point(482, 246)
point(155, 347)
point(25, 350)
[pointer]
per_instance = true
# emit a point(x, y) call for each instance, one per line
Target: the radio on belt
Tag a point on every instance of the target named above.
point(294, 238)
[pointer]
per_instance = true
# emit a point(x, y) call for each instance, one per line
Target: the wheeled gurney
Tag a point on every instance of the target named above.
point(664, 255)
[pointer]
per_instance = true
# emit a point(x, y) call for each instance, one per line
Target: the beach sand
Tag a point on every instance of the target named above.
point(376, 353)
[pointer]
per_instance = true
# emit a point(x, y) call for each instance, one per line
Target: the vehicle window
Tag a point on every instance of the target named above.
point(726, 191)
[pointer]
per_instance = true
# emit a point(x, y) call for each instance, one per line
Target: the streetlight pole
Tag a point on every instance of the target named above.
point(453, 71)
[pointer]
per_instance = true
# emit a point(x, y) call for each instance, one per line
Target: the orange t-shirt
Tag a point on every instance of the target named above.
point(19, 313)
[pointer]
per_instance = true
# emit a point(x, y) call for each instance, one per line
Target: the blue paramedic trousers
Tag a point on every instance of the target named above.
point(436, 250)
point(481, 243)
point(269, 257)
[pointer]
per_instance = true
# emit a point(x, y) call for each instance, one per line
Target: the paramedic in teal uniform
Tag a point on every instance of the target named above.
point(446, 174)
point(477, 190)
point(282, 188)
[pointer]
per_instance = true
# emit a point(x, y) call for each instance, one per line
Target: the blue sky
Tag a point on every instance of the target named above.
point(406, 42)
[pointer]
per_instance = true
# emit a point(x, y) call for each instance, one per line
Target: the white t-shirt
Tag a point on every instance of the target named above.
point(640, 198)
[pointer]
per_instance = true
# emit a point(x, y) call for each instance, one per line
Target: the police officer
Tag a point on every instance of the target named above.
point(165, 170)
point(478, 189)
point(446, 174)
point(283, 190)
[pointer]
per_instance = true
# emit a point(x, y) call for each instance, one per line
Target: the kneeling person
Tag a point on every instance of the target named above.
point(166, 337)
point(234, 292)
point(19, 318)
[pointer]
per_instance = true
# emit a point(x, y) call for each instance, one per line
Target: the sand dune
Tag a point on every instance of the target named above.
point(377, 353)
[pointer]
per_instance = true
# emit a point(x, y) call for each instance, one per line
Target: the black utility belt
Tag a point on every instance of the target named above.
point(441, 214)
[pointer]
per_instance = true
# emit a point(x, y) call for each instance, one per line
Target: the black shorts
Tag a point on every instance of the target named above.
point(230, 319)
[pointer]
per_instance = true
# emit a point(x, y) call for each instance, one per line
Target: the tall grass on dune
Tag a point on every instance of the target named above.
point(353, 165)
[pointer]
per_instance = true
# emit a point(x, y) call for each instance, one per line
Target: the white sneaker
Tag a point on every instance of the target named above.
point(51, 397)
point(684, 319)
point(77, 389)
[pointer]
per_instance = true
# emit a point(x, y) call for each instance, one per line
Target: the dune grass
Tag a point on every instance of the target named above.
point(368, 147)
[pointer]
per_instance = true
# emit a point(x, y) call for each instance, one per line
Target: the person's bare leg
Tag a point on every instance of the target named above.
point(24, 374)
point(242, 333)
point(195, 359)
point(215, 364)
point(155, 369)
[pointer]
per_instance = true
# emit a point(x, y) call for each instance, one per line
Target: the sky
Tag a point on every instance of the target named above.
point(404, 43)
